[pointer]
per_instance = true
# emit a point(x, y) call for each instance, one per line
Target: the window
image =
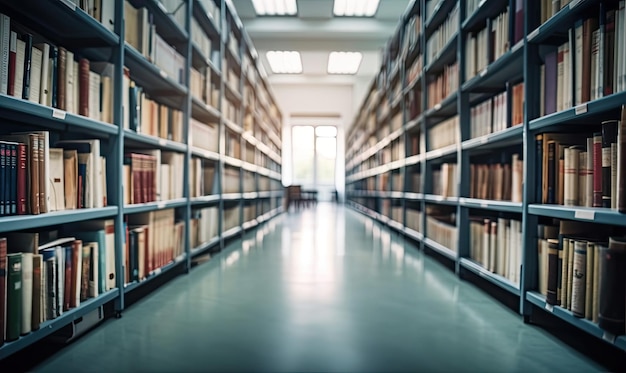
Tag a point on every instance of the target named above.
point(315, 158)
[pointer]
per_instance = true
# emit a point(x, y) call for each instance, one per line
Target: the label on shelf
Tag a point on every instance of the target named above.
point(58, 114)
point(549, 307)
point(482, 3)
point(483, 72)
point(608, 337)
point(484, 204)
point(581, 109)
point(162, 142)
point(437, 107)
point(585, 214)
point(69, 4)
point(517, 46)
point(161, 205)
point(484, 139)
point(533, 34)
point(163, 73)
point(574, 3)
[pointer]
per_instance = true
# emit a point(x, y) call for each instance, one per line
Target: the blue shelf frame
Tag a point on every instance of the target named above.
point(502, 206)
point(22, 222)
point(494, 278)
point(177, 262)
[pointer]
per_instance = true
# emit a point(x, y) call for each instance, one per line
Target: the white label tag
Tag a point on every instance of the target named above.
point(533, 34)
point(69, 4)
point(608, 337)
point(574, 3)
point(581, 109)
point(483, 72)
point(482, 3)
point(549, 307)
point(483, 205)
point(585, 214)
point(161, 205)
point(162, 142)
point(58, 114)
point(163, 73)
point(437, 107)
point(484, 139)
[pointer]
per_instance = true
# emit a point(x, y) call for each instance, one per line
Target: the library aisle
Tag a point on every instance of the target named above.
point(325, 289)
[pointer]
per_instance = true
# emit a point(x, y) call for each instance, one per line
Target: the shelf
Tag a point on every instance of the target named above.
point(207, 154)
point(154, 206)
point(203, 112)
point(413, 196)
point(249, 224)
point(440, 13)
point(395, 225)
point(494, 278)
point(413, 234)
point(250, 195)
point(589, 214)
point(134, 139)
point(493, 78)
point(232, 125)
point(213, 198)
point(445, 108)
point(232, 94)
point(440, 200)
point(607, 107)
point(154, 80)
point(166, 26)
point(413, 160)
point(509, 136)
point(231, 232)
point(503, 206)
point(23, 222)
point(560, 22)
point(445, 56)
point(412, 84)
point(205, 246)
point(155, 273)
point(234, 162)
point(480, 15)
point(450, 254)
point(441, 152)
point(231, 196)
point(581, 323)
point(23, 111)
point(54, 325)
point(59, 20)
point(396, 195)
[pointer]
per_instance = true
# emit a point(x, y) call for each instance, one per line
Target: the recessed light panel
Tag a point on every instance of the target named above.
point(275, 7)
point(355, 8)
point(344, 62)
point(284, 62)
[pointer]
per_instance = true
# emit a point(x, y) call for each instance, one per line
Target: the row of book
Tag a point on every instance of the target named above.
point(201, 182)
point(441, 228)
point(414, 219)
point(36, 178)
point(140, 32)
point(232, 144)
point(487, 45)
point(548, 8)
point(148, 117)
point(445, 182)
point(36, 70)
point(496, 244)
point(489, 116)
point(152, 175)
point(590, 65)
point(154, 239)
point(413, 102)
point(581, 269)
point(204, 225)
point(412, 31)
point(443, 85)
point(579, 170)
point(200, 39)
point(44, 274)
point(499, 181)
point(444, 133)
point(231, 218)
point(203, 135)
point(231, 180)
point(442, 35)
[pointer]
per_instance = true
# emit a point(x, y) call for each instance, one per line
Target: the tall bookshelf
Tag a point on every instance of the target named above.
point(429, 190)
point(221, 131)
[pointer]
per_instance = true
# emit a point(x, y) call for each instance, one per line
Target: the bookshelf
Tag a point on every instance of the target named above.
point(186, 123)
point(469, 73)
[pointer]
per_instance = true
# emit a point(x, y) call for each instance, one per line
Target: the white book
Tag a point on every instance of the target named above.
point(5, 42)
point(69, 82)
point(44, 79)
point(56, 180)
point(103, 180)
point(595, 58)
point(77, 275)
point(578, 63)
point(75, 94)
point(60, 279)
point(94, 95)
point(493, 237)
point(27, 292)
point(107, 14)
point(20, 50)
point(36, 65)
point(560, 86)
point(622, 50)
point(568, 73)
point(93, 188)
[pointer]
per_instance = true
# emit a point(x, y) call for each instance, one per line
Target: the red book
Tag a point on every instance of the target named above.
point(83, 87)
point(3, 278)
point(12, 57)
point(597, 169)
point(22, 206)
point(518, 33)
point(67, 286)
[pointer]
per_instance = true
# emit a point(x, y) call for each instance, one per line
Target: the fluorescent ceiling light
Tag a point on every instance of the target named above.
point(275, 7)
point(344, 62)
point(284, 62)
point(355, 8)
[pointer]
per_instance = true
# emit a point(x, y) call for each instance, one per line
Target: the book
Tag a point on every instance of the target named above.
point(28, 53)
point(597, 170)
point(14, 296)
point(71, 179)
point(85, 277)
point(553, 268)
point(49, 281)
point(5, 40)
point(61, 81)
point(18, 66)
point(612, 286)
point(579, 271)
point(36, 65)
point(37, 305)
point(27, 292)
point(621, 162)
point(57, 180)
point(609, 136)
point(44, 77)
point(88, 156)
point(3, 284)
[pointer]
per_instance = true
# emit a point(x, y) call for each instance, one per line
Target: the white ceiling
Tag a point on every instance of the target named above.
point(314, 32)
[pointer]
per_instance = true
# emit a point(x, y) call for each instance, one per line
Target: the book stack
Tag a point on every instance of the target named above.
point(442, 35)
point(443, 134)
point(414, 219)
point(499, 181)
point(204, 225)
point(487, 45)
point(203, 135)
point(231, 218)
point(445, 181)
point(441, 227)
point(489, 116)
point(443, 84)
point(496, 244)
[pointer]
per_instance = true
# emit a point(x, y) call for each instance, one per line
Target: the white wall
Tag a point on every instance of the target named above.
point(317, 104)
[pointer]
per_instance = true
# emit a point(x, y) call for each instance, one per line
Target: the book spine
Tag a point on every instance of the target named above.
point(597, 170)
point(61, 78)
point(589, 172)
point(14, 296)
point(4, 191)
point(12, 208)
point(37, 310)
point(3, 288)
point(28, 54)
point(579, 278)
point(54, 77)
point(67, 283)
point(609, 136)
point(5, 34)
point(589, 280)
point(12, 63)
point(621, 163)
point(553, 267)
point(552, 172)
point(564, 248)
point(83, 87)
point(571, 175)
point(612, 286)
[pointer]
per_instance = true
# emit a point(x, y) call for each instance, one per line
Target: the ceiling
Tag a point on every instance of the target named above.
point(314, 32)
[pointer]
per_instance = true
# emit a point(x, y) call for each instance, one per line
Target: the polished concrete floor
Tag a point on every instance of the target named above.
point(321, 290)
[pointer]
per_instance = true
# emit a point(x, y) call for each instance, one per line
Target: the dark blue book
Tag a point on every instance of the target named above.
point(133, 120)
point(4, 182)
point(28, 54)
point(550, 83)
point(11, 208)
point(54, 56)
